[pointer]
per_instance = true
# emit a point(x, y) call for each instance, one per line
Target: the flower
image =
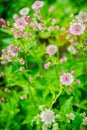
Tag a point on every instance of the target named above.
point(77, 81)
point(53, 21)
point(51, 9)
point(20, 23)
point(15, 16)
point(51, 49)
point(13, 50)
point(66, 79)
point(21, 60)
point(71, 116)
point(2, 21)
point(77, 28)
point(24, 11)
point(63, 59)
point(72, 50)
point(21, 69)
point(82, 17)
point(47, 116)
point(85, 121)
point(46, 66)
point(37, 4)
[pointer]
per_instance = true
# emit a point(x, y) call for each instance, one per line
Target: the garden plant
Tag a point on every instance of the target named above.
point(43, 69)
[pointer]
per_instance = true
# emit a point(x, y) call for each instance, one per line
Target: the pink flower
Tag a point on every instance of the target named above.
point(4, 26)
point(13, 50)
point(24, 11)
point(73, 72)
point(46, 66)
point(77, 28)
point(51, 9)
point(2, 21)
point(66, 79)
point(20, 23)
point(41, 26)
point(77, 81)
point(63, 59)
point(51, 49)
point(37, 4)
point(27, 18)
point(53, 21)
point(17, 33)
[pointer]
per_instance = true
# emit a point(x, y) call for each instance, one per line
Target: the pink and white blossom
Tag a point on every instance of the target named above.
point(46, 66)
point(37, 5)
point(51, 49)
point(63, 59)
point(20, 23)
point(82, 16)
point(24, 11)
point(66, 79)
point(51, 9)
point(77, 28)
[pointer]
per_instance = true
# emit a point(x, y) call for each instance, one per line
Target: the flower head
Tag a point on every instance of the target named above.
point(51, 49)
point(77, 28)
point(46, 66)
point(47, 116)
point(66, 79)
point(63, 59)
point(37, 4)
point(24, 11)
point(20, 23)
point(51, 9)
point(82, 17)
point(85, 121)
point(13, 50)
point(2, 21)
point(71, 116)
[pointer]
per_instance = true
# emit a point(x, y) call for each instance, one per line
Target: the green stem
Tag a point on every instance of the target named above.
point(53, 102)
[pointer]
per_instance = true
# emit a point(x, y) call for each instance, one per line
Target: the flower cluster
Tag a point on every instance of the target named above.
point(9, 53)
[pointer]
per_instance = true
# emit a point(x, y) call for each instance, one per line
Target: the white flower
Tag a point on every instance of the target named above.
point(47, 116)
point(24, 11)
point(85, 121)
point(71, 116)
point(82, 17)
point(72, 50)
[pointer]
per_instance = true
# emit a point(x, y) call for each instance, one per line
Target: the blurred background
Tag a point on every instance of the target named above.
point(9, 7)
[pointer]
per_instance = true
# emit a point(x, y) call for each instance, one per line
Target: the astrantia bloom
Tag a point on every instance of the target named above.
point(47, 116)
point(77, 28)
point(51, 49)
point(66, 79)
point(82, 17)
point(46, 66)
point(24, 11)
point(13, 50)
point(63, 59)
point(20, 23)
point(37, 4)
